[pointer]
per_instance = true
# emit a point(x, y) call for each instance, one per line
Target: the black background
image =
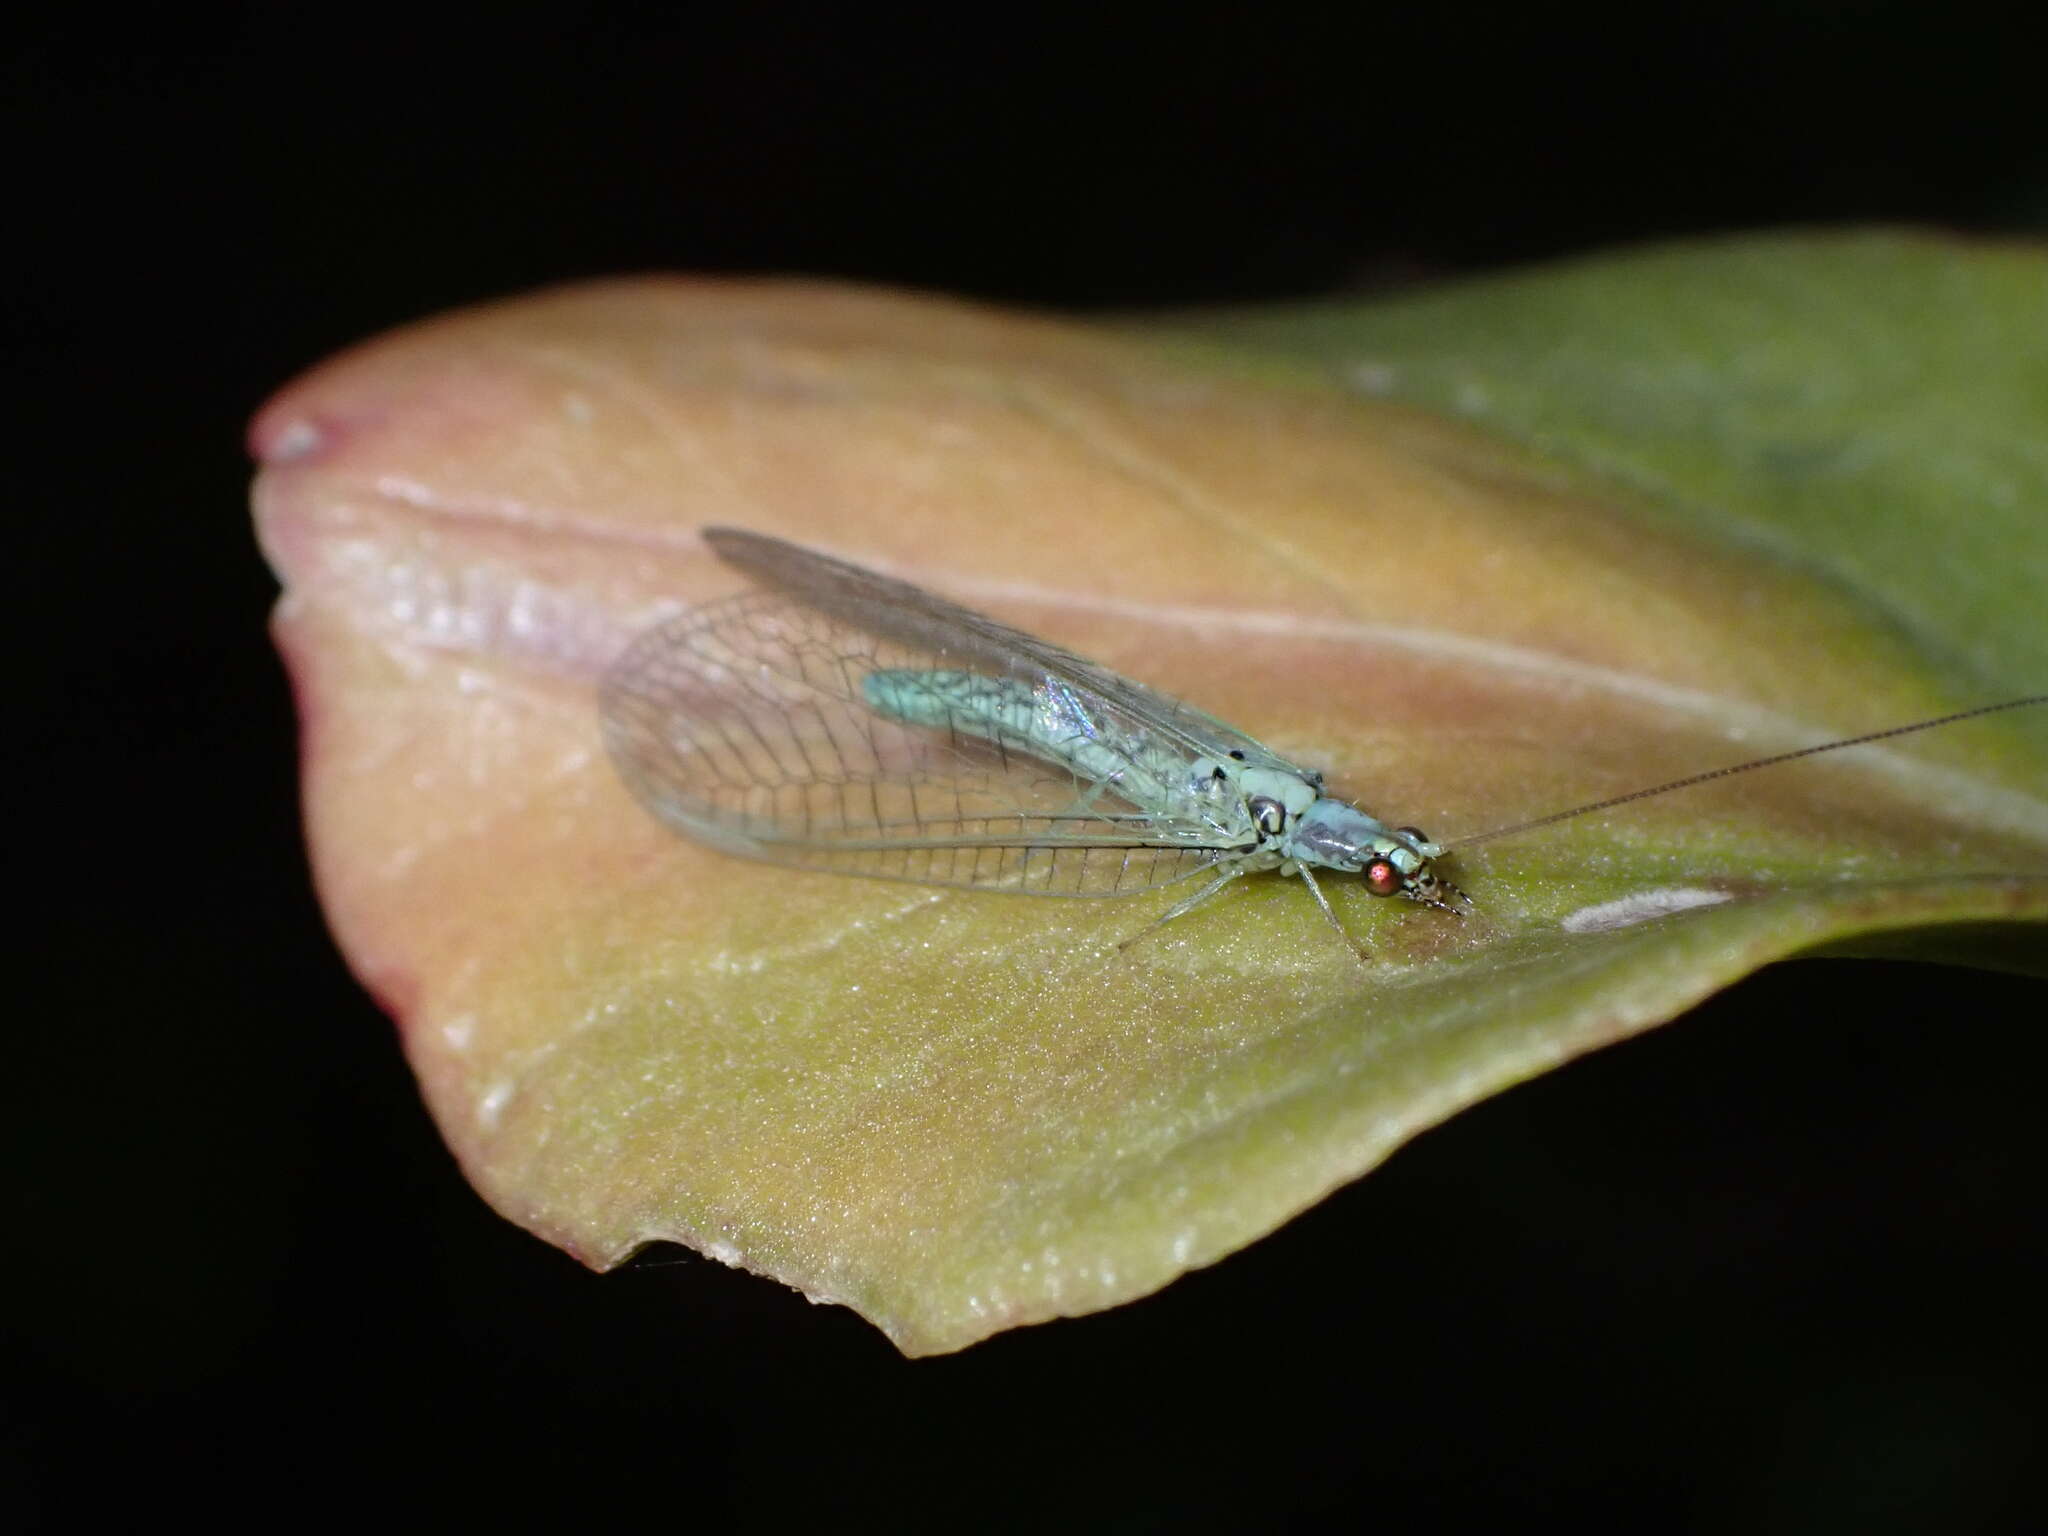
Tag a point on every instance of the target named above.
point(1775, 1267)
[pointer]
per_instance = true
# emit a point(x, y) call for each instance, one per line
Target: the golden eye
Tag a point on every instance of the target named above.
point(1381, 878)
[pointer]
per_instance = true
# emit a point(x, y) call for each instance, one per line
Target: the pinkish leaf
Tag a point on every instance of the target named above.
point(960, 1112)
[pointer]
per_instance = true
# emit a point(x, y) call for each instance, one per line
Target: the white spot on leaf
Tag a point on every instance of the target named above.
point(1643, 907)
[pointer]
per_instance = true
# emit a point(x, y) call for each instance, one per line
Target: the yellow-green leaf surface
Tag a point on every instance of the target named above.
point(960, 1112)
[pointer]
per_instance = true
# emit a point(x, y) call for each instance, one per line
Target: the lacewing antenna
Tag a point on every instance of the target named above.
point(1748, 767)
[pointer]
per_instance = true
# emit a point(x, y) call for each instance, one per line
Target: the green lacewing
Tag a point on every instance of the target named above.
point(838, 719)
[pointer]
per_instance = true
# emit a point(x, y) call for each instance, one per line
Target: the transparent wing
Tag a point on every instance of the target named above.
point(848, 722)
point(912, 617)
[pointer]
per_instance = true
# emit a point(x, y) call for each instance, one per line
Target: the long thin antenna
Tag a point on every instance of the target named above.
point(1750, 767)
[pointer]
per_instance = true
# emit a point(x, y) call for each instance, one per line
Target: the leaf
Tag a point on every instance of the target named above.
point(1833, 402)
point(961, 1112)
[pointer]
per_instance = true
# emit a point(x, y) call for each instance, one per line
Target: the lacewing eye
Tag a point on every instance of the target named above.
point(1381, 878)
